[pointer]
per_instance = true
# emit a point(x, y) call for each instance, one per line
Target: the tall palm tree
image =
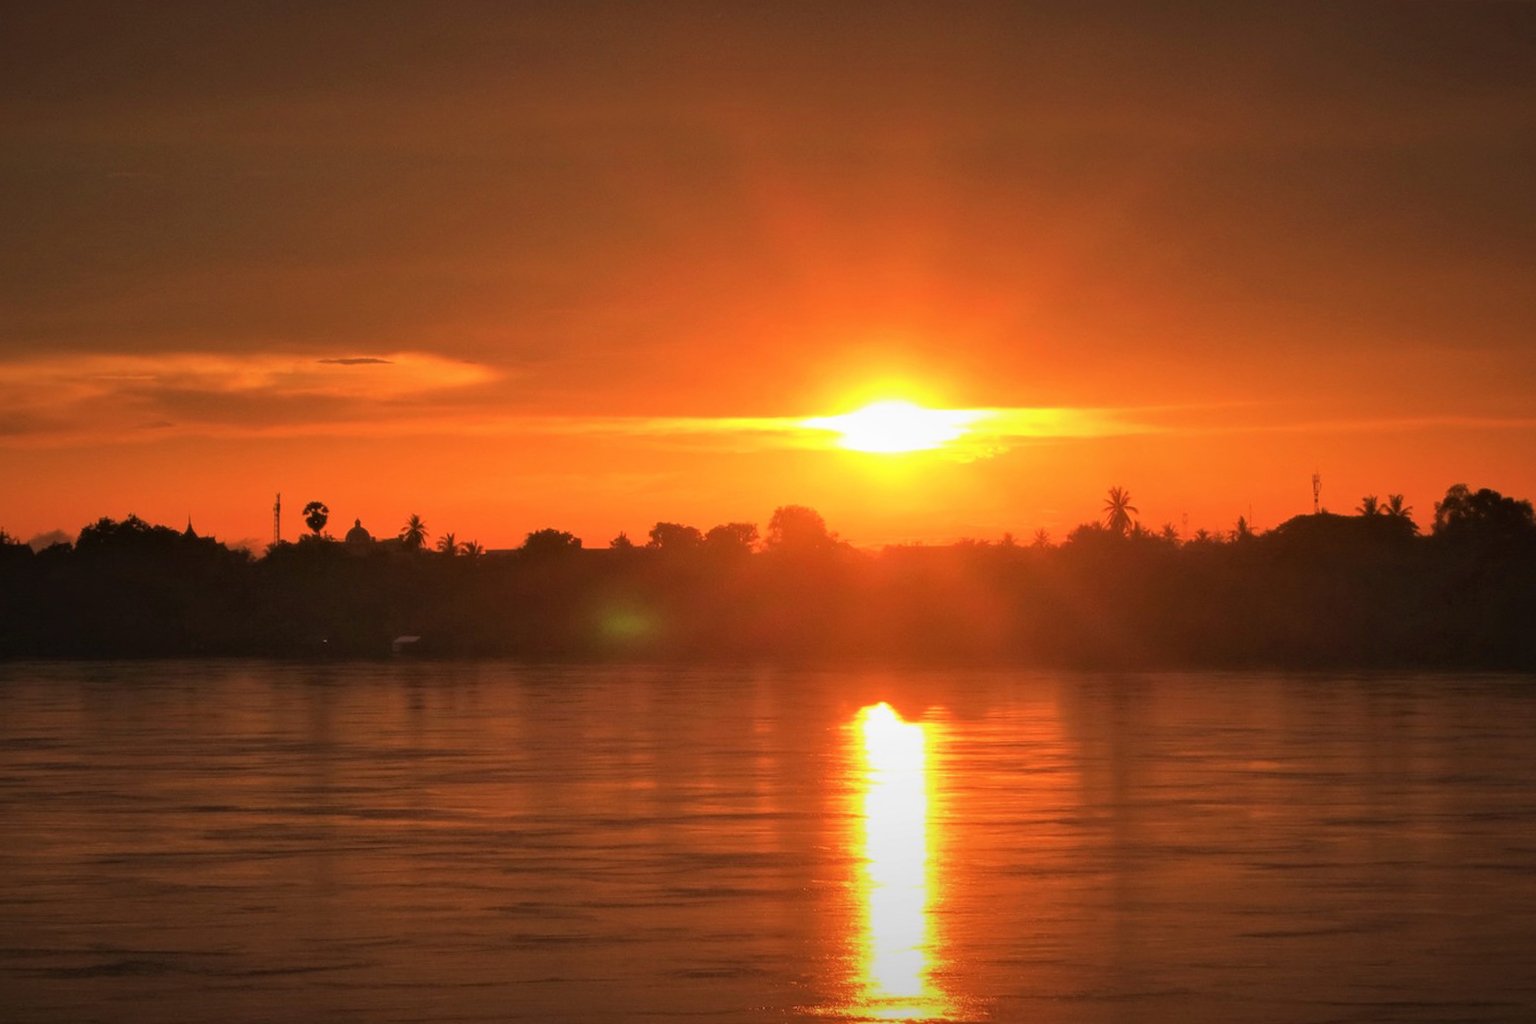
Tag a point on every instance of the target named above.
point(1118, 510)
point(1370, 505)
point(448, 544)
point(1396, 508)
point(315, 516)
point(414, 533)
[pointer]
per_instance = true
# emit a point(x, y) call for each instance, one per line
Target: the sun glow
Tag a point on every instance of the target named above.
point(896, 426)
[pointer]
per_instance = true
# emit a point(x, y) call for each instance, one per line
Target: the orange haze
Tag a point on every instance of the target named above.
point(523, 267)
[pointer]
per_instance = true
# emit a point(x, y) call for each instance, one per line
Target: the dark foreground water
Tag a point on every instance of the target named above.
point(424, 842)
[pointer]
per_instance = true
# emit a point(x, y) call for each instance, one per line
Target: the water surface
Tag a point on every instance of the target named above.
point(489, 842)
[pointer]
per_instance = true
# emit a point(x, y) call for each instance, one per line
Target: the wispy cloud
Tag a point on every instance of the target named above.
point(96, 373)
point(105, 399)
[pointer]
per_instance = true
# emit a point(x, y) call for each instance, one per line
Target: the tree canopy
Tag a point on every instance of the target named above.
point(1317, 590)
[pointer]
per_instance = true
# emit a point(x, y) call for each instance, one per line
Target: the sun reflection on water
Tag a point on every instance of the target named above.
point(896, 939)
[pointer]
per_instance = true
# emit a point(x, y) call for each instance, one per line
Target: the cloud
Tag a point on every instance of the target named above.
point(76, 400)
point(87, 399)
point(1388, 425)
point(65, 400)
point(990, 432)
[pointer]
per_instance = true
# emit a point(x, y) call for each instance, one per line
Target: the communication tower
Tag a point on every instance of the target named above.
point(1317, 491)
point(277, 519)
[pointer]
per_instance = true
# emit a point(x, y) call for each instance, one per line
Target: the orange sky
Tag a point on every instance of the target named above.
point(567, 265)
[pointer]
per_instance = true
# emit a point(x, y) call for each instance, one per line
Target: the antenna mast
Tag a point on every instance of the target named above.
point(277, 519)
point(1317, 491)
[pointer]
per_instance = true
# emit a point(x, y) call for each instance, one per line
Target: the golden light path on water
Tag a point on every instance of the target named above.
point(897, 943)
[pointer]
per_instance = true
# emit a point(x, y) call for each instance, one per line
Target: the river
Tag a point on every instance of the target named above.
point(421, 841)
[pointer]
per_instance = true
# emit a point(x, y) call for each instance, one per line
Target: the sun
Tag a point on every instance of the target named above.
point(897, 426)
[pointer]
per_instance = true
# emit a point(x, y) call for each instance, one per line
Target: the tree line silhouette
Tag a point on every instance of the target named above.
point(1320, 590)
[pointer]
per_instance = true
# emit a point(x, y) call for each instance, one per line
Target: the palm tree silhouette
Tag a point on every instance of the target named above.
point(1370, 505)
point(472, 549)
point(414, 533)
point(1396, 508)
point(448, 544)
point(315, 516)
point(1118, 510)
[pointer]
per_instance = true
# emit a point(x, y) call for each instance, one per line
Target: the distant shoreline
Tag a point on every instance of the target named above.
point(1318, 593)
